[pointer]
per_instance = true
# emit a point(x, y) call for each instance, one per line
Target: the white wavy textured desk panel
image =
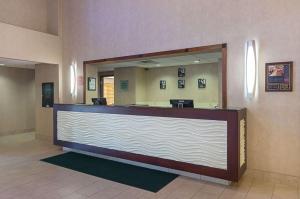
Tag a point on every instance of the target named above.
point(200, 142)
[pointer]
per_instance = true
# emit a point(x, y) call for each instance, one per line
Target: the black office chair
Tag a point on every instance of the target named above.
point(99, 101)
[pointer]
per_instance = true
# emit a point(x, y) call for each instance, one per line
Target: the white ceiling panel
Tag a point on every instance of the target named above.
point(189, 59)
point(4, 62)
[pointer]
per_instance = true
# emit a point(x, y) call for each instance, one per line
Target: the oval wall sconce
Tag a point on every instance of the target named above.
point(73, 83)
point(250, 68)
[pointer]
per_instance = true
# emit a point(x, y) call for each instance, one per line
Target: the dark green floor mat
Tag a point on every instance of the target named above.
point(135, 176)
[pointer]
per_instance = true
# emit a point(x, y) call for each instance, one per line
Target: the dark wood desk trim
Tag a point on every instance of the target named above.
point(233, 172)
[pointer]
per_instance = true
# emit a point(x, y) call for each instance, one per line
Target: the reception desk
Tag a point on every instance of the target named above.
point(210, 142)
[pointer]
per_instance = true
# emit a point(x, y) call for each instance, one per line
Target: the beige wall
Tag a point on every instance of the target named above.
point(95, 29)
point(29, 45)
point(17, 100)
point(141, 89)
point(38, 15)
point(24, 28)
point(204, 97)
point(53, 9)
point(44, 116)
point(129, 96)
point(91, 71)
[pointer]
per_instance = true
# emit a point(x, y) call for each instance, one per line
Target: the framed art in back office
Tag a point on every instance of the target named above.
point(181, 83)
point(163, 84)
point(91, 83)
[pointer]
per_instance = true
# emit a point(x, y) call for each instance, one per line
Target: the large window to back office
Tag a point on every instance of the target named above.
point(155, 80)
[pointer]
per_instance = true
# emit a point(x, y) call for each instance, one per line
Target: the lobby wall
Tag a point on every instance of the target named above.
point(38, 15)
point(44, 116)
point(32, 31)
point(95, 29)
point(17, 100)
point(25, 44)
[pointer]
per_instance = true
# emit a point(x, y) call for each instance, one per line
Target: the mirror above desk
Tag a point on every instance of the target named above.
point(193, 77)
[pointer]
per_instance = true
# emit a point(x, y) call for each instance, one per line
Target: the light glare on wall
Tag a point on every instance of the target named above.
point(73, 82)
point(250, 64)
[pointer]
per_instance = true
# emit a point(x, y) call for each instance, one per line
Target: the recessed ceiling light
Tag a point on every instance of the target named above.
point(197, 61)
point(157, 65)
point(2, 64)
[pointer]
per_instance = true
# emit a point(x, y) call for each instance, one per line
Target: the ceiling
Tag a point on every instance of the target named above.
point(4, 62)
point(189, 59)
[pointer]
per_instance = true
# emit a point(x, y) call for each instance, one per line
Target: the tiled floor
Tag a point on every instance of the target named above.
point(22, 176)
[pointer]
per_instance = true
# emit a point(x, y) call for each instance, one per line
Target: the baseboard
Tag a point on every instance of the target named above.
point(43, 137)
point(14, 132)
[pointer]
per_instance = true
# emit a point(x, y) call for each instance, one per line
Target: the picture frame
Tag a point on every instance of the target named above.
point(279, 77)
point(48, 94)
point(92, 84)
point(181, 83)
point(201, 83)
point(163, 84)
point(181, 71)
point(124, 84)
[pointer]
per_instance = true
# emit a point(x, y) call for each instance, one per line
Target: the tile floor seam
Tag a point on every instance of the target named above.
point(222, 193)
point(251, 184)
point(273, 190)
point(196, 193)
point(17, 185)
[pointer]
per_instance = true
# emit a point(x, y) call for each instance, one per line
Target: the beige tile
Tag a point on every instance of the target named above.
point(74, 196)
point(290, 180)
point(147, 195)
point(94, 188)
point(241, 187)
point(285, 192)
point(232, 194)
point(214, 189)
point(131, 193)
point(260, 190)
point(187, 189)
point(205, 195)
point(109, 192)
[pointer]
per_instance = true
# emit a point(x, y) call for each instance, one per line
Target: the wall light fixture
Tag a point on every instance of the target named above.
point(250, 68)
point(73, 80)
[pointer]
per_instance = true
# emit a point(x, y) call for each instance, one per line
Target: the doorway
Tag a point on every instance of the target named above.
point(107, 86)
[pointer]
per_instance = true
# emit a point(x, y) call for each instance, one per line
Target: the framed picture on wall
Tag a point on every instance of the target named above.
point(163, 84)
point(181, 83)
point(124, 85)
point(201, 83)
point(181, 71)
point(91, 83)
point(47, 94)
point(279, 77)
